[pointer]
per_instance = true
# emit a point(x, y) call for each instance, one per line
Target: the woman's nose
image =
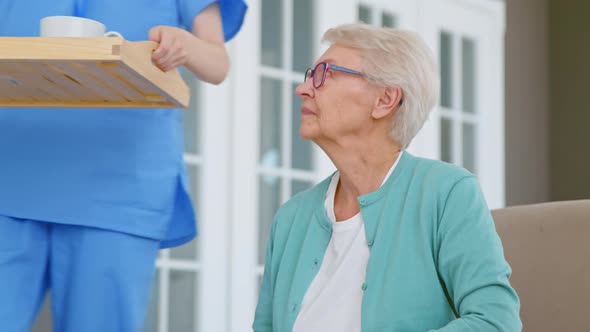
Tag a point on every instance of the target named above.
point(304, 89)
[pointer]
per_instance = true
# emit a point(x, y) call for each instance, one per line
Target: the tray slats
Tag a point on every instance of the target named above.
point(85, 72)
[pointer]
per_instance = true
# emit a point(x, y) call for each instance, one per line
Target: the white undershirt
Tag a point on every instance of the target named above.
point(333, 300)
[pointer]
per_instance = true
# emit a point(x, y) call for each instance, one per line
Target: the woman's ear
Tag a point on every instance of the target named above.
point(388, 101)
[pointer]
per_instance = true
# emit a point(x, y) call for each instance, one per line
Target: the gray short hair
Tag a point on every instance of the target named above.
point(394, 57)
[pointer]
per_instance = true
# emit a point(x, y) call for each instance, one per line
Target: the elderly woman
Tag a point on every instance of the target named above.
point(389, 242)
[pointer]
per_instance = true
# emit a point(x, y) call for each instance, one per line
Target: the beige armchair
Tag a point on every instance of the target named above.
point(548, 248)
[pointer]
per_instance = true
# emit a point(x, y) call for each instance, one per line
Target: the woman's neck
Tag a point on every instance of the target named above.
point(362, 170)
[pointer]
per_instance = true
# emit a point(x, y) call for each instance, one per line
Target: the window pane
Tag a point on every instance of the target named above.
point(190, 119)
point(469, 146)
point(182, 310)
point(191, 116)
point(151, 318)
point(269, 200)
point(388, 20)
point(302, 35)
point(258, 284)
point(468, 75)
point(299, 186)
point(446, 69)
point(301, 152)
point(192, 181)
point(446, 140)
point(272, 30)
point(186, 251)
point(270, 122)
point(190, 250)
point(364, 14)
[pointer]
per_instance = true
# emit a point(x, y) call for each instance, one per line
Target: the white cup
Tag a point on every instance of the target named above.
point(73, 26)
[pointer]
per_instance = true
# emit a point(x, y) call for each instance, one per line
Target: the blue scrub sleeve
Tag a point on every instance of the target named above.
point(232, 14)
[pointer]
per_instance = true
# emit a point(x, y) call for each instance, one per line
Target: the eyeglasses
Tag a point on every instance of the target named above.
point(318, 74)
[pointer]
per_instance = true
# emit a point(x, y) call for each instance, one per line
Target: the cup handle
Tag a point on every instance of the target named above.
point(112, 34)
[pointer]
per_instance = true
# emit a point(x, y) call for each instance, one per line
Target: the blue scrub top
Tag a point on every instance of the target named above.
point(117, 169)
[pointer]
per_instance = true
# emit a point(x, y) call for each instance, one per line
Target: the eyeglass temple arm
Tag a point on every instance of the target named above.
point(346, 70)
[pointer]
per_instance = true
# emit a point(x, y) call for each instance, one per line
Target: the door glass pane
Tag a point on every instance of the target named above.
point(190, 116)
point(186, 251)
point(388, 20)
point(190, 120)
point(301, 156)
point(446, 140)
point(446, 69)
point(468, 74)
point(469, 144)
point(151, 318)
point(272, 30)
point(364, 14)
point(258, 283)
point(298, 186)
point(182, 310)
point(190, 249)
point(302, 35)
point(192, 179)
point(269, 200)
point(270, 122)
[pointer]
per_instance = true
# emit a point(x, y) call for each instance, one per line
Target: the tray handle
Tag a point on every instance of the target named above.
point(141, 53)
point(145, 50)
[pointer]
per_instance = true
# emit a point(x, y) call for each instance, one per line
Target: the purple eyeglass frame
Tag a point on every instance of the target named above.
point(310, 73)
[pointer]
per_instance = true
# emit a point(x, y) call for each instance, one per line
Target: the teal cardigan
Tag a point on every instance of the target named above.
point(436, 261)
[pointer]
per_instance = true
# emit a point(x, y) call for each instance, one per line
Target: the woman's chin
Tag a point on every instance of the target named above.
point(307, 133)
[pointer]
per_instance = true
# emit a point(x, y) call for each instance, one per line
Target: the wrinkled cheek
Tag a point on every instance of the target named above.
point(329, 128)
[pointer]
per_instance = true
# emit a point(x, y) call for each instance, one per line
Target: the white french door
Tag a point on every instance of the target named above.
point(467, 127)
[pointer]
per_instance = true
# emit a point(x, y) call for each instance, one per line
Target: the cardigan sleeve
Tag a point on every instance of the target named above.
point(472, 266)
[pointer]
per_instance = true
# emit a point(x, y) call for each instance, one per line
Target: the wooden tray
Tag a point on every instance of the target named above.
point(85, 72)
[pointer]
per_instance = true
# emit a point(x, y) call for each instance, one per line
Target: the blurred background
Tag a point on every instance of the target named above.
point(512, 110)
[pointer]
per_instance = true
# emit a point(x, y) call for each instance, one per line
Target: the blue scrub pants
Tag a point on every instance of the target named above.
point(99, 279)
